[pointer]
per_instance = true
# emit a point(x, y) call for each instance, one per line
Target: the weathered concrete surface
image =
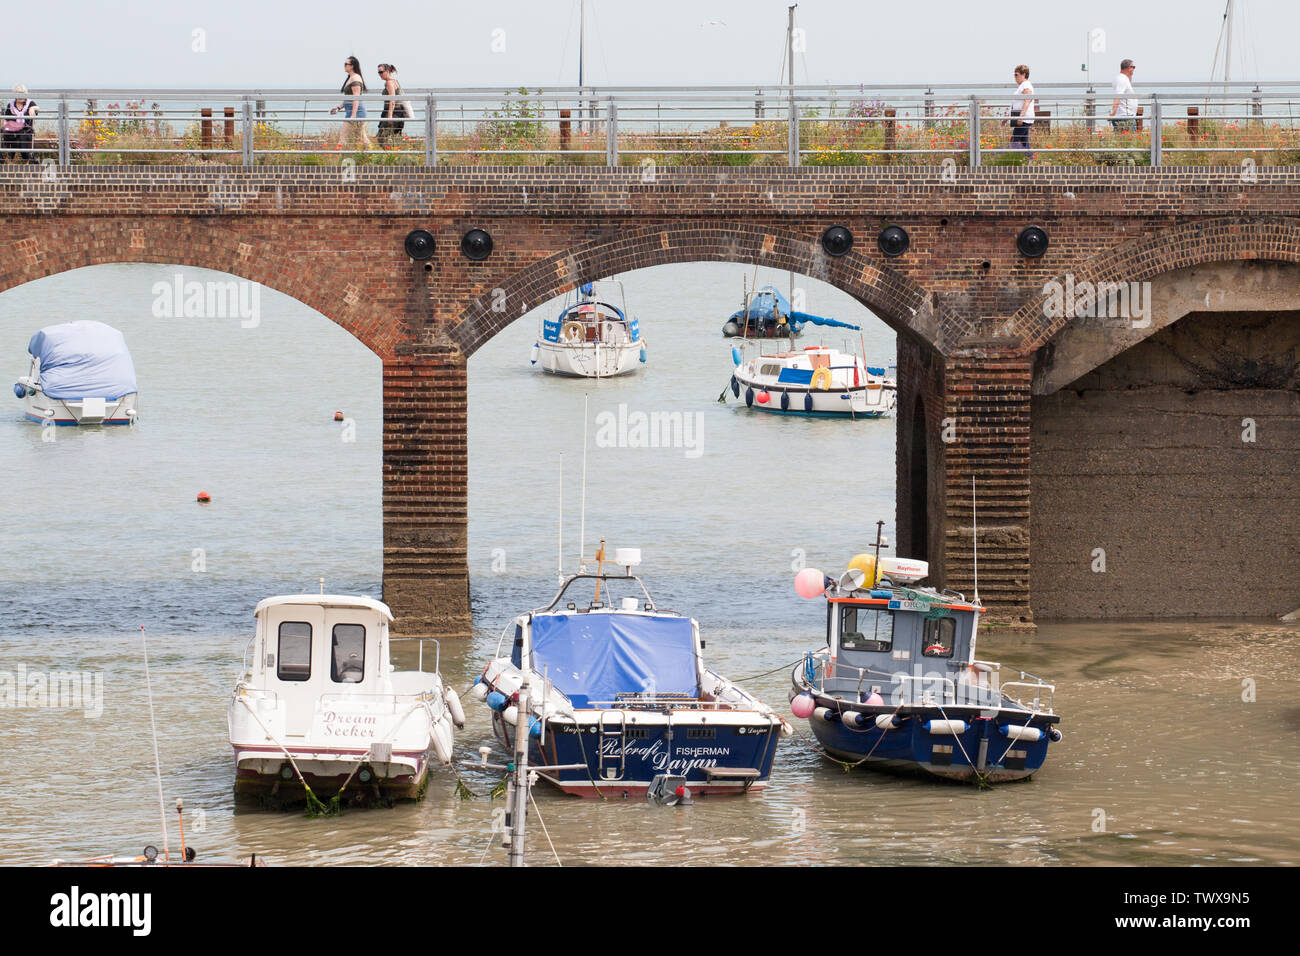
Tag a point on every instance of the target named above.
point(1145, 458)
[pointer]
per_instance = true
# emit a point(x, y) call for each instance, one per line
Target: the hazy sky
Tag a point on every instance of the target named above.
point(301, 45)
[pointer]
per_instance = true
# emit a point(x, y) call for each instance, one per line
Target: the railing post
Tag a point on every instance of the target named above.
point(792, 131)
point(1157, 130)
point(430, 131)
point(1090, 110)
point(248, 132)
point(1257, 107)
point(65, 147)
point(973, 122)
point(758, 105)
point(611, 133)
point(929, 108)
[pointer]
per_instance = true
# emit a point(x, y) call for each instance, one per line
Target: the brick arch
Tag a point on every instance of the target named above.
point(37, 248)
point(1148, 257)
point(898, 301)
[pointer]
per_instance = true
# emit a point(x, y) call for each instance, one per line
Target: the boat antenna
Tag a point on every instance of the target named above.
point(974, 538)
point(560, 553)
point(582, 522)
point(153, 727)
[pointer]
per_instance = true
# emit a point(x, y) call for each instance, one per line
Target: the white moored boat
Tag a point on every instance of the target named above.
point(81, 374)
point(591, 337)
point(320, 705)
point(815, 380)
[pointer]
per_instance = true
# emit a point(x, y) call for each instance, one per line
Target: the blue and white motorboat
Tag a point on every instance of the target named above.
point(81, 374)
point(591, 337)
point(619, 693)
point(816, 381)
point(898, 685)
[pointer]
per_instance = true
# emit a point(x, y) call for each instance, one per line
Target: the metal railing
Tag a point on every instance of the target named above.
point(944, 125)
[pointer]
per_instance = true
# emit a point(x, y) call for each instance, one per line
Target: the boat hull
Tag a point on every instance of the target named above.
point(745, 743)
point(589, 360)
point(259, 775)
point(38, 407)
point(911, 748)
point(856, 403)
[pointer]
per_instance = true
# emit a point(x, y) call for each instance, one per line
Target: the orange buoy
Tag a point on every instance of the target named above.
point(204, 498)
point(338, 416)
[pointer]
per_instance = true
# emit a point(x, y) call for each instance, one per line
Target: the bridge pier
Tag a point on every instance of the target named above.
point(425, 493)
point(960, 418)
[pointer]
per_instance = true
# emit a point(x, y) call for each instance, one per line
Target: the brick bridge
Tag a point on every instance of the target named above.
point(1090, 441)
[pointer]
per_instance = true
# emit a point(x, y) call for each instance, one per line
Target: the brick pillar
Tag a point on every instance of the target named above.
point(426, 470)
point(987, 398)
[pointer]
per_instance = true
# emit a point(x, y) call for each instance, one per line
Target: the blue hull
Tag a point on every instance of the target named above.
point(692, 751)
point(911, 748)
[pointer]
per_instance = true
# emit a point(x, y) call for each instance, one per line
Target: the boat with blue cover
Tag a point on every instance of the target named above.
point(767, 314)
point(591, 337)
point(620, 694)
point(81, 374)
point(898, 685)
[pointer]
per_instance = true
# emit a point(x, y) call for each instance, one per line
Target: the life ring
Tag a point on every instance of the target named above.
point(572, 331)
point(821, 379)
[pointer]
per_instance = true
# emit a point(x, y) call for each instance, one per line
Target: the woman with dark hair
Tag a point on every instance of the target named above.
point(396, 111)
point(354, 111)
point(18, 129)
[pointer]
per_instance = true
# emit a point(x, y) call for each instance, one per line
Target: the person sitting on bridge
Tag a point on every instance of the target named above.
point(18, 127)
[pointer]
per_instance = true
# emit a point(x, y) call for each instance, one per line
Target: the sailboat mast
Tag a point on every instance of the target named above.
point(1227, 50)
point(789, 49)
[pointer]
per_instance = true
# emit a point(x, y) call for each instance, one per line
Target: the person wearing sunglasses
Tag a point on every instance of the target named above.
point(396, 111)
point(1123, 111)
point(354, 111)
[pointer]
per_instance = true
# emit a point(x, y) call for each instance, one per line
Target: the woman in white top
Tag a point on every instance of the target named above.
point(1022, 109)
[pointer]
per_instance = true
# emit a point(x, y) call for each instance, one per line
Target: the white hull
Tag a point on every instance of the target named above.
point(865, 401)
point(589, 360)
point(39, 407)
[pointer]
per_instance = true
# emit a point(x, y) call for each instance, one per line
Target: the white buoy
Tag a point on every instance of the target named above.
point(479, 691)
point(453, 705)
point(442, 740)
point(537, 350)
point(511, 715)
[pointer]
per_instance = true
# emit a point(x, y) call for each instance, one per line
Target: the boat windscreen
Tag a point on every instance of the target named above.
point(596, 657)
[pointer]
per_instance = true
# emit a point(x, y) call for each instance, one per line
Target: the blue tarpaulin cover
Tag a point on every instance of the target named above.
point(768, 301)
point(83, 359)
point(595, 657)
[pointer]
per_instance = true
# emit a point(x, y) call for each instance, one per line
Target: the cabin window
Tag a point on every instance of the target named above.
point(769, 369)
point(294, 654)
point(938, 637)
point(348, 659)
point(865, 629)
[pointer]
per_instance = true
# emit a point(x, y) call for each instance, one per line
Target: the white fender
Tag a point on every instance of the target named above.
point(955, 727)
point(1015, 732)
point(453, 705)
point(442, 740)
point(886, 721)
point(537, 350)
point(786, 729)
point(479, 691)
point(511, 715)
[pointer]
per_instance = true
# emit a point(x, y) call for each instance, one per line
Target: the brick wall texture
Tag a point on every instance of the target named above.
point(967, 305)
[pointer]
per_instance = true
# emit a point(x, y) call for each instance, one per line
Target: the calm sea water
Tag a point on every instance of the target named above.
point(1163, 761)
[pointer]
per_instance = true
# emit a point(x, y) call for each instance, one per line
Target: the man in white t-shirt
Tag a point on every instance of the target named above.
point(1022, 109)
point(1123, 111)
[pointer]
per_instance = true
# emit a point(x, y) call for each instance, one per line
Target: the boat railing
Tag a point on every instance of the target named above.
point(569, 581)
point(437, 655)
point(248, 647)
point(392, 699)
point(912, 689)
point(658, 702)
point(1034, 690)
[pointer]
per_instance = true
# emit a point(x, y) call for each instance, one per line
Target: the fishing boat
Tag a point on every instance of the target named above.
point(898, 686)
point(591, 337)
point(815, 380)
point(767, 314)
point(319, 708)
point(81, 374)
point(621, 697)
